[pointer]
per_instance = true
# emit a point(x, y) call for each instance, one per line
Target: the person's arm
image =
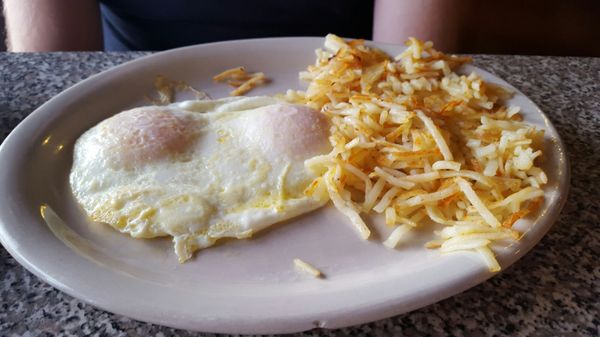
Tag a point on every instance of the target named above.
point(395, 21)
point(52, 25)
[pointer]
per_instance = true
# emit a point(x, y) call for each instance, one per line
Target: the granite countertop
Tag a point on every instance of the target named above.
point(554, 290)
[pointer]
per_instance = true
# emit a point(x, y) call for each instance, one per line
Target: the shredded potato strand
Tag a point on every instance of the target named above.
point(417, 142)
point(166, 89)
point(242, 81)
point(307, 268)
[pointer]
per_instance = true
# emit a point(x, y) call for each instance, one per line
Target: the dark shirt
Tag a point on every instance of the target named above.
point(159, 25)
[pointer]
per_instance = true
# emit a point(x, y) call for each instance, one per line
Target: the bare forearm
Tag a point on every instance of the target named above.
point(434, 20)
point(51, 25)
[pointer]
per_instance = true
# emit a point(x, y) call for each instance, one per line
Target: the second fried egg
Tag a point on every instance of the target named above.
point(200, 170)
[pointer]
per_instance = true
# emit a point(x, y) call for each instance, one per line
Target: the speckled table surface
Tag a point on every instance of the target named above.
point(554, 290)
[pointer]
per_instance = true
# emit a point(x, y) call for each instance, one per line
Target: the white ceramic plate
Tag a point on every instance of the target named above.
point(238, 286)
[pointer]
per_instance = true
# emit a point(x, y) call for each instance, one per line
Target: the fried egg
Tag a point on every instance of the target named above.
point(200, 170)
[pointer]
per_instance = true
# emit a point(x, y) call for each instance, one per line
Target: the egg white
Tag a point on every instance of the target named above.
point(200, 170)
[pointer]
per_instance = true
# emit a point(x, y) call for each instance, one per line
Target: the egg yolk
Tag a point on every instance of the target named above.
point(145, 135)
point(287, 130)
